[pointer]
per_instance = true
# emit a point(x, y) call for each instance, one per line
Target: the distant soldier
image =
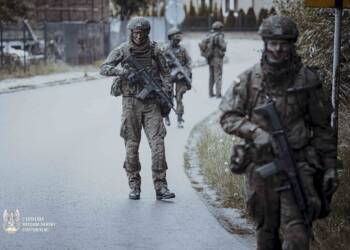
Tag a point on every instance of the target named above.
point(180, 65)
point(53, 52)
point(141, 108)
point(213, 48)
point(290, 154)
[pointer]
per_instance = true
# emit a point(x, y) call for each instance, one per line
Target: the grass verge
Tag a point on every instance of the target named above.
point(213, 149)
point(39, 68)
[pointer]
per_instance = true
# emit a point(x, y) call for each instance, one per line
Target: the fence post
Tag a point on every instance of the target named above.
point(2, 43)
point(24, 45)
point(45, 42)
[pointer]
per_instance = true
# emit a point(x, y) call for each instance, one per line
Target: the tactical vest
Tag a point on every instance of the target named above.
point(179, 53)
point(292, 103)
point(148, 60)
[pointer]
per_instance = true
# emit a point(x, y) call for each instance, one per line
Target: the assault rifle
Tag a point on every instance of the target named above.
point(284, 162)
point(150, 84)
point(179, 68)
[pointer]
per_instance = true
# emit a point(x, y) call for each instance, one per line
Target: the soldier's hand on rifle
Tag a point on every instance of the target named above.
point(330, 181)
point(262, 141)
point(133, 77)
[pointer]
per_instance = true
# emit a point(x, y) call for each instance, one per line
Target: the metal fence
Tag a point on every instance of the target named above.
point(72, 42)
point(21, 44)
point(78, 42)
point(204, 23)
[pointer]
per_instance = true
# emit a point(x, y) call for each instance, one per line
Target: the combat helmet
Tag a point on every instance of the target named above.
point(173, 31)
point(217, 25)
point(279, 27)
point(139, 23)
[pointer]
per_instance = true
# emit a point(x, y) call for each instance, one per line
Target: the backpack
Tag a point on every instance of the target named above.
point(206, 47)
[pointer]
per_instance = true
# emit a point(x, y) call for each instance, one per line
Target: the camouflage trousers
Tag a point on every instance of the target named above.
point(180, 89)
point(215, 76)
point(279, 224)
point(137, 115)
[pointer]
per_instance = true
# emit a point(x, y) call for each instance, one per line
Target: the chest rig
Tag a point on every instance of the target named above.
point(149, 63)
point(291, 98)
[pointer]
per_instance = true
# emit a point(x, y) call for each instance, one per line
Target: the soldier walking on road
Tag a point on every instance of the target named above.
point(294, 90)
point(139, 113)
point(180, 65)
point(213, 48)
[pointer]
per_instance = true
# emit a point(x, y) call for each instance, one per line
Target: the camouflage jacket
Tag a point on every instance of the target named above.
point(180, 53)
point(153, 61)
point(183, 58)
point(303, 109)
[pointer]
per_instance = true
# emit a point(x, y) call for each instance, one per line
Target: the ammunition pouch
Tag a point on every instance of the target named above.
point(116, 88)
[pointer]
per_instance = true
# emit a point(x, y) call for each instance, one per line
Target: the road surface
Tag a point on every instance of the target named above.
point(61, 163)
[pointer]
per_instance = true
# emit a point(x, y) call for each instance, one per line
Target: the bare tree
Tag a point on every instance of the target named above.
point(12, 10)
point(126, 8)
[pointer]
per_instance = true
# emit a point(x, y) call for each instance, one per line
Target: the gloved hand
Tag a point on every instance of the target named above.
point(262, 141)
point(189, 86)
point(133, 77)
point(330, 181)
point(261, 138)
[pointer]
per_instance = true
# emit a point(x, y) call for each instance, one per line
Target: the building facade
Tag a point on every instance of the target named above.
point(234, 5)
point(69, 10)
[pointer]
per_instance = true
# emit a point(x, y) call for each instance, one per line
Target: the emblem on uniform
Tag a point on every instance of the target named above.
point(11, 221)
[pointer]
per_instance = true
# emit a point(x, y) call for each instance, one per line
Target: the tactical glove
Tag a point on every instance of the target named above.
point(261, 138)
point(330, 181)
point(133, 77)
point(262, 141)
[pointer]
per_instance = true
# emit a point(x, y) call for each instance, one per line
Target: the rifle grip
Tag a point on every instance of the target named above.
point(143, 94)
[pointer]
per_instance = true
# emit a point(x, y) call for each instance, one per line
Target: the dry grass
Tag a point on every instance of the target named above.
point(39, 68)
point(213, 150)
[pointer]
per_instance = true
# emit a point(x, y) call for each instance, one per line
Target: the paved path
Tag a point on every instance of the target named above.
point(61, 160)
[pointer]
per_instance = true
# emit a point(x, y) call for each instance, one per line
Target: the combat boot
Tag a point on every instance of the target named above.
point(164, 193)
point(167, 121)
point(134, 194)
point(180, 121)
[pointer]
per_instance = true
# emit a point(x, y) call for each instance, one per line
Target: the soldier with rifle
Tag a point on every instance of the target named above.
point(144, 82)
point(180, 64)
point(289, 156)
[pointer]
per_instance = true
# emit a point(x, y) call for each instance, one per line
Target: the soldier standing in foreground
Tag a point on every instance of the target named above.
point(290, 169)
point(213, 48)
point(143, 112)
point(180, 65)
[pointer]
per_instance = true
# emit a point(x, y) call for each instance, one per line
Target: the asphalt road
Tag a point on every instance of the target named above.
point(61, 162)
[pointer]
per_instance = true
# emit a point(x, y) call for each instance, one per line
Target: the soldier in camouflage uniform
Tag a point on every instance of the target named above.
point(305, 114)
point(138, 114)
point(181, 85)
point(216, 51)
